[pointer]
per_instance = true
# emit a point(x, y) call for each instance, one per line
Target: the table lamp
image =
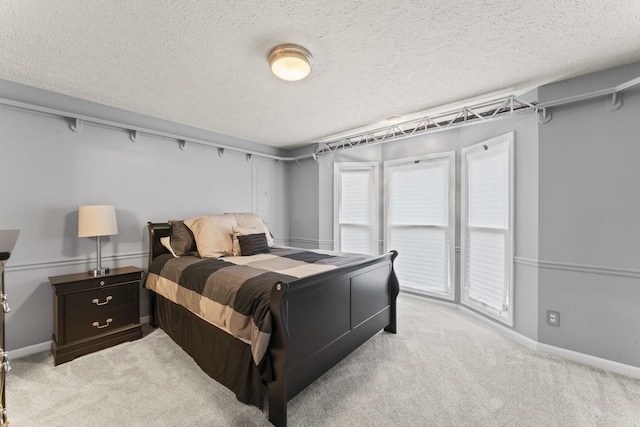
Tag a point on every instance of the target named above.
point(97, 221)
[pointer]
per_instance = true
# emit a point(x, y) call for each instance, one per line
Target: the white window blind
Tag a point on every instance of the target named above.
point(356, 207)
point(486, 217)
point(420, 222)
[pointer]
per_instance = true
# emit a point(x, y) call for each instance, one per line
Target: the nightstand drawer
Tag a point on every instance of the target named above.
point(90, 283)
point(79, 328)
point(97, 301)
point(82, 282)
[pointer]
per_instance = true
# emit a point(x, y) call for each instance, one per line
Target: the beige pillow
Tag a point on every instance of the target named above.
point(251, 220)
point(240, 231)
point(213, 234)
point(167, 244)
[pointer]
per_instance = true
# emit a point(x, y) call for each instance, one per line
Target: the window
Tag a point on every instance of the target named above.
point(420, 222)
point(356, 207)
point(487, 224)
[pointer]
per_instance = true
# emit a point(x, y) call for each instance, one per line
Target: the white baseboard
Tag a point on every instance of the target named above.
point(27, 351)
point(509, 333)
point(596, 362)
point(429, 300)
point(585, 359)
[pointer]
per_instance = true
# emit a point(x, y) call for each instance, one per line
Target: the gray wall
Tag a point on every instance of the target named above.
point(48, 171)
point(589, 237)
point(303, 209)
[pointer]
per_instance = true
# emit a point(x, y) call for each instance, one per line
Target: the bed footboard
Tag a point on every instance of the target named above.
point(319, 320)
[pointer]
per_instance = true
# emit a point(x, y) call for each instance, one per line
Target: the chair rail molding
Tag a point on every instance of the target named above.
point(75, 261)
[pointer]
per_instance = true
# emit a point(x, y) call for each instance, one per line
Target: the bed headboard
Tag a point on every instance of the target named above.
point(156, 231)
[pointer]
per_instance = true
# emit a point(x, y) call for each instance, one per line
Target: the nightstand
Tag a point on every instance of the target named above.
point(92, 313)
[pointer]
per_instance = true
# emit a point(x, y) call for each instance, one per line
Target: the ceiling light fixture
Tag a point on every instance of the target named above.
point(290, 62)
point(394, 119)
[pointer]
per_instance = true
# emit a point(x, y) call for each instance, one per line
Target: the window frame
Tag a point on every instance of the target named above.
point(450, 156)
point(338, 168)
point(509, 234)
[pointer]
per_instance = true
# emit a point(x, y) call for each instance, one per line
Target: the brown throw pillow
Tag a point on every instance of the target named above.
point(182, 240)
point(253, 244)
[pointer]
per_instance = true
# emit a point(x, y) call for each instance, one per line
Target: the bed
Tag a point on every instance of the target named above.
point(300, 324)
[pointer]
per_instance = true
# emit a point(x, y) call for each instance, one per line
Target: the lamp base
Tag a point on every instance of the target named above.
point(97, 272)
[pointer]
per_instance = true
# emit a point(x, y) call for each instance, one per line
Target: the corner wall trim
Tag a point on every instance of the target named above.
point(529, 262)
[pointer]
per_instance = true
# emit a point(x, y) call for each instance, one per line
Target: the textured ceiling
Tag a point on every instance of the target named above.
point(204, 63)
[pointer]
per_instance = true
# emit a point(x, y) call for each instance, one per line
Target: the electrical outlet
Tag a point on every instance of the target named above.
point(553, 318)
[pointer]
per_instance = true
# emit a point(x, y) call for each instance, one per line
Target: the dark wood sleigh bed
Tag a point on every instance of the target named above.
point(316, 322)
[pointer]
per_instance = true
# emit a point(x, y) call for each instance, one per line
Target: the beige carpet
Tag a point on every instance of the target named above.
point(441, 369)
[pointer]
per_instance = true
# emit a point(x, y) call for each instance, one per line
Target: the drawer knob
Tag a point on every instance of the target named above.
point(96, 301)
point(101, 282)
point(99, 326)
point(5, 304)
point(6, 367)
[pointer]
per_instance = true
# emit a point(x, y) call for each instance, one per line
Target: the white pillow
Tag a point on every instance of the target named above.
point(251, 220)
point(213, 234)
point(166, 242)
point(241, 231)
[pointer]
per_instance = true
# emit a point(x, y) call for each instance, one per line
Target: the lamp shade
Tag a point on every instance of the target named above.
point(97, 220)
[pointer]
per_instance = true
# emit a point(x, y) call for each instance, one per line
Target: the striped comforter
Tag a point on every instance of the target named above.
point(233, 293)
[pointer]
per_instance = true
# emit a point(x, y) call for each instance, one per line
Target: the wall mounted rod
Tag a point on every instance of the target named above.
point(131, 128)
point(591, 95)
